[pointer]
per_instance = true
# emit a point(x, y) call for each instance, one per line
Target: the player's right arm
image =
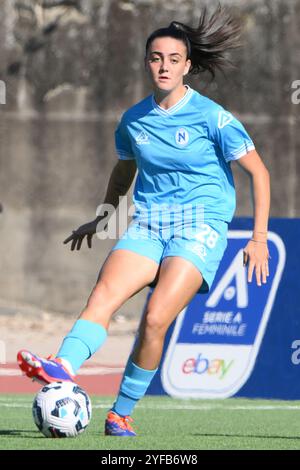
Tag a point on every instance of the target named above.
point(119, 183)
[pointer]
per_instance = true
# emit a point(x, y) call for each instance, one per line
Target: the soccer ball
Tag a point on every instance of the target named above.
point(61, 409)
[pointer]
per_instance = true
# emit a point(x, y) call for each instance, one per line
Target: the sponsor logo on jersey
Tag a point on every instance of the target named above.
point(224, 119)
point(142, 138)
point(182, 137)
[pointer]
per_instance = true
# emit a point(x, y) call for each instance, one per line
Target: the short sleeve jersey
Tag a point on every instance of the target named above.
point(183, 154)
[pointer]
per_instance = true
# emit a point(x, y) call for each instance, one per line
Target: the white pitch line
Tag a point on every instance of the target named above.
point(182, 407)
point(221, 408)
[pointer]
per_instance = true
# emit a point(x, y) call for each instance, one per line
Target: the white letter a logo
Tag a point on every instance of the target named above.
point(236, 270)
point(224, 119)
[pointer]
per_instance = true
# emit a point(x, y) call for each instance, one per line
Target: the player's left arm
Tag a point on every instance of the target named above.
point(256, 253)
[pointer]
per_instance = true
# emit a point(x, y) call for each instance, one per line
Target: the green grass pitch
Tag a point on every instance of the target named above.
point(163, 423)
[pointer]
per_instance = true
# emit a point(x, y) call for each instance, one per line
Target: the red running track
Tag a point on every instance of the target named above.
point(95, 379)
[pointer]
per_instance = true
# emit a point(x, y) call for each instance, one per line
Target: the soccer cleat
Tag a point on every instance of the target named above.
point(44, 371)
point(116, 425)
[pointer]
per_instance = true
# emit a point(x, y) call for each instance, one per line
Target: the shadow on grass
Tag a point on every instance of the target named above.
point(23, 433)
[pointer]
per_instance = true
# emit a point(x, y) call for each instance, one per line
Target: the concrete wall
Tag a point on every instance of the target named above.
point(64, 93)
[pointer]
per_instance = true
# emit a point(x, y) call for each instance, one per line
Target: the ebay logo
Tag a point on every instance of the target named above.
point(201, 365)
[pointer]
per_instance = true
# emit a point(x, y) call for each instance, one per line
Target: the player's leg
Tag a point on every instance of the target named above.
point(178, 282)
point(123, 274)
point(190, 262)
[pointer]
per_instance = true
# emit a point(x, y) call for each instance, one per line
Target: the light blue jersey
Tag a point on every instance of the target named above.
point(183, 157)
point(183, 154)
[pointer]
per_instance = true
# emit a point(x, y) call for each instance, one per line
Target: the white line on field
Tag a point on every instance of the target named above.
point(181, 407)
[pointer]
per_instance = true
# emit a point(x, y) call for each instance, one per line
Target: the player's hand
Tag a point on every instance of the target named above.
point(256, 257)
point(87, 230)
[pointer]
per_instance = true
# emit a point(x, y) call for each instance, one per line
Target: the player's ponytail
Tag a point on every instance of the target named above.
point(206, 44)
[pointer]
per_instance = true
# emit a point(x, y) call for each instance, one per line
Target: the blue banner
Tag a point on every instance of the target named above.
point(240, 339)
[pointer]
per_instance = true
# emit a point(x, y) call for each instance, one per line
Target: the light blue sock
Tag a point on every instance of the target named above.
point(133, 387)
point(82, 342)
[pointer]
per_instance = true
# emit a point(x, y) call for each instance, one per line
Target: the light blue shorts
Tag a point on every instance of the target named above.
point(204, 246)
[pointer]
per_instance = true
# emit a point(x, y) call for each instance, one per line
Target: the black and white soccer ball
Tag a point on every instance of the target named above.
point(62, 409)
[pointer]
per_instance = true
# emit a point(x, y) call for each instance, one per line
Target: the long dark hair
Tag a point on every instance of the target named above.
point(206, 44)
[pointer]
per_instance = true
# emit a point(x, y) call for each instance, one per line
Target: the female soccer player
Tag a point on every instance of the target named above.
point(182, 145)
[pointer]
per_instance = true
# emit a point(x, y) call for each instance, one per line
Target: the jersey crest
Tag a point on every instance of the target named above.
point(182, 137)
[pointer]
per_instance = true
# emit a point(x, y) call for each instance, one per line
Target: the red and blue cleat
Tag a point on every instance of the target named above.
point(116, 425)
point(43, 370)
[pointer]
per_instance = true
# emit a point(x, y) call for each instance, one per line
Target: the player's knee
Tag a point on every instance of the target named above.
point(155, 324)
point(103, 295)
